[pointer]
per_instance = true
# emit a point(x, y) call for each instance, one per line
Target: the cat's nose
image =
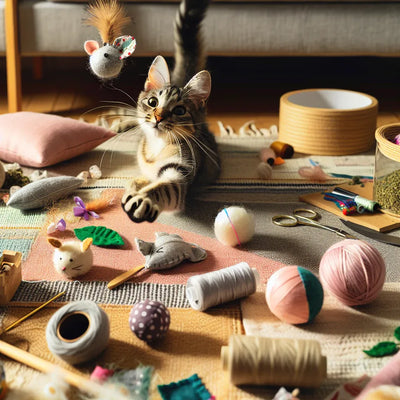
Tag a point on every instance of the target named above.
point(158, 118)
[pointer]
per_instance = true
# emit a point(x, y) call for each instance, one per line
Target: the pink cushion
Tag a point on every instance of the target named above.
point(40, 140)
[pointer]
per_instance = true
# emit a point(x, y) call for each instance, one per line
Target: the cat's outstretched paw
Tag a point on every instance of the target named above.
point(140, 208)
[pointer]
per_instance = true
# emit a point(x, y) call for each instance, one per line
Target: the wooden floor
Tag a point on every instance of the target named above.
point(243, 88)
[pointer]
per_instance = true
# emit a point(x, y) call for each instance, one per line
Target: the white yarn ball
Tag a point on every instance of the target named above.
point(2, 175)
point(243, 226)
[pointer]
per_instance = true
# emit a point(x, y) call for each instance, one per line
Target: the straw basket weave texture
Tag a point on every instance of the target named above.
point(312, 125)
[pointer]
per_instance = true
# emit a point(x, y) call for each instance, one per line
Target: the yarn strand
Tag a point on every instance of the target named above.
point(233, 226)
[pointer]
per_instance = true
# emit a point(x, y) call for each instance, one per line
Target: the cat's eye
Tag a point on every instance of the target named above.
point(152, 102)
point(179, 110)
point(71, 260)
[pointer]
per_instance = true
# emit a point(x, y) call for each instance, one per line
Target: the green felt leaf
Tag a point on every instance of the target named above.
point(397, 333)
point(382, 349)
point(101, 235)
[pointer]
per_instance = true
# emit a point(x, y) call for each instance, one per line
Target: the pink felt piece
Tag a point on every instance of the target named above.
point(110, 262)
point(39, 140)
point(388, 375)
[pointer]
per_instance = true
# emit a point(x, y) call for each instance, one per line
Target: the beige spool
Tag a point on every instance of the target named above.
point(274, 361)
point(328, 121)
point(384, 136)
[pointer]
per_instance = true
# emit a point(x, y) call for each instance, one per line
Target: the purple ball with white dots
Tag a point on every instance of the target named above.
point(149, 320)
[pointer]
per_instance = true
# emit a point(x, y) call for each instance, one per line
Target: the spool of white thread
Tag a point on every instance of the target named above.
point(253, 360)
point(218, 287)
point(78, 332)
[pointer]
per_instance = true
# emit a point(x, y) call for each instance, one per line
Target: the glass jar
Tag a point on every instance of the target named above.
point(387, 169)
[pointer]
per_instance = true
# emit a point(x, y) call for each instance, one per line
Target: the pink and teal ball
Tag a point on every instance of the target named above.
point(353, 271)
point(294, 295)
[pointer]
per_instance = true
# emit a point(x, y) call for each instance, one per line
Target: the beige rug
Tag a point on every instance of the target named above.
point(192, 345)
point(342, 331)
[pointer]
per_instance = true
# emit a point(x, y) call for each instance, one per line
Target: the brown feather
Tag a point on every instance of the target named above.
point(106, 200)
point(108, 17)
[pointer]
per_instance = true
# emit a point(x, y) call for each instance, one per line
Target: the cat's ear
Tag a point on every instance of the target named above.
point(158, 76)
point(199, 87)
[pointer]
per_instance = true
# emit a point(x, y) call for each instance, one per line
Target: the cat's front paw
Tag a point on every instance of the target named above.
point(140, 208)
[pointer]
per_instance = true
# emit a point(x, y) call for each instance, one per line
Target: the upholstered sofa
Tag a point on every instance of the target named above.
point(232, 28)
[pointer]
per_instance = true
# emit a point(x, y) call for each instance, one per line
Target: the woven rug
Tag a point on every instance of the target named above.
point(239, 159)
point(109, 263)
point(192, 345)
point(342, 331)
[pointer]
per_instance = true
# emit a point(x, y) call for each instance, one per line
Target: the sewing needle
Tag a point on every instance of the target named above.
point(14, 324)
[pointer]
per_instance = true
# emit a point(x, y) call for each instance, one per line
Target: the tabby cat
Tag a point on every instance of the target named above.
point(177, 151)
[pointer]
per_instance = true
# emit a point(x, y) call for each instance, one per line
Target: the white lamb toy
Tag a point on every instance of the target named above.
point(72, 258)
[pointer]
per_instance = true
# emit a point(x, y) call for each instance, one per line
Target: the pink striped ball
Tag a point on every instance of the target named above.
point(294, 295)
point(353, 271)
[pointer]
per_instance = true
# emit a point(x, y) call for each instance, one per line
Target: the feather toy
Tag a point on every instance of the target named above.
point(109, 18)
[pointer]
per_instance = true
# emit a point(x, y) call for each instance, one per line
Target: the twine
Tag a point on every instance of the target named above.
point(73, 343)
point(268, 361)
point(218, 287)
point(233, 226)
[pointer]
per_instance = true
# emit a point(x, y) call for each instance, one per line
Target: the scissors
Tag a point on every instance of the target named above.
point(305, 216)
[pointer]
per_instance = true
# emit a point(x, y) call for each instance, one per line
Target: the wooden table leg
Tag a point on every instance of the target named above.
point(14, 89)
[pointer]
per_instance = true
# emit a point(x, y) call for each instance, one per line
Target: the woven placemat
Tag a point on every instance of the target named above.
point(192, 345)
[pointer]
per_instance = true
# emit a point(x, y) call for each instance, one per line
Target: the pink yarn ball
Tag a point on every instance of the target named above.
point(353, 271)
point(294, 295)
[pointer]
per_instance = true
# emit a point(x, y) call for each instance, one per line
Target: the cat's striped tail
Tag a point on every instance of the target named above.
point(189, 50)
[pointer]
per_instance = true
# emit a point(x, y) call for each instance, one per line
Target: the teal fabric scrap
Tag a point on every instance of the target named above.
point(187, 389)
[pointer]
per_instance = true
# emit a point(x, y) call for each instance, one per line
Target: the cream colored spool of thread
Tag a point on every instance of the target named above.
point(318, 129)
point(384, 136)
point(274, 361)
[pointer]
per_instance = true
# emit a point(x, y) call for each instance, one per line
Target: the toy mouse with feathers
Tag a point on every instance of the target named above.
point(109, 18)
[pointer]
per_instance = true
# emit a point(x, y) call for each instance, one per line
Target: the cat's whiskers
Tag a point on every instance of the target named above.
point(173, 139)
point(207, 150)
point(123, 92)
point(190, 147)
point(114, 141)
point(189, 123)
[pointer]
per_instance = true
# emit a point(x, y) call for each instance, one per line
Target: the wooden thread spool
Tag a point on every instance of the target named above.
point(278, 362)
point(283, 150)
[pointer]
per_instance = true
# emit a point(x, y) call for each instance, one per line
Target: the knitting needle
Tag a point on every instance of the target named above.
point(124, 277)
point(22, 356)
point(9, 327)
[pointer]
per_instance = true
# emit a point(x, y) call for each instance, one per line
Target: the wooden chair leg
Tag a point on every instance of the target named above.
point(37, 64)
point(14, 88)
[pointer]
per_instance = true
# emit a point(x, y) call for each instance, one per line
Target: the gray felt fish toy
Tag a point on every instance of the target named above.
point(169, 250)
